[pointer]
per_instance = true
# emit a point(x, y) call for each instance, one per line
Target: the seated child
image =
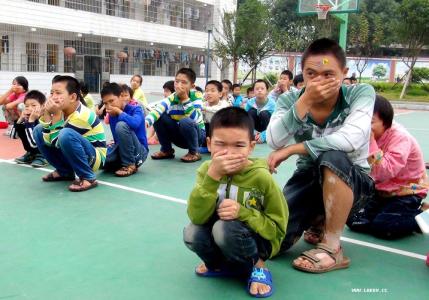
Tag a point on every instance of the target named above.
point(227, 91)
point(29, 118)
point(70, 136)
point(260, 109)
point(285, 84)
point(178, 119)
point(401, 183)
point(136, 83)
point(238, 213)
point(212, 104)
point(298, 81)
point(347, 81)
point(10, 101)
point(127, 124)
point(89, 101)
point(238, 99)
point(127, 95)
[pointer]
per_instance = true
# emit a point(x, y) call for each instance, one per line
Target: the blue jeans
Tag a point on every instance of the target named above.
point(127, 150)
point(388, 218)
point(304, 192)
point(227, 244)
point(74, 155)
point(184, 133)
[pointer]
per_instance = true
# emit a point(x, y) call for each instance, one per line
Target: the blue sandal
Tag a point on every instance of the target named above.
point(263, 276)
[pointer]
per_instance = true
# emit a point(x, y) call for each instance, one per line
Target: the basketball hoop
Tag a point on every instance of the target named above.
point(322, 11)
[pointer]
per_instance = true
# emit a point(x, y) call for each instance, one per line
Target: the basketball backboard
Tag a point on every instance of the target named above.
point(310, 7)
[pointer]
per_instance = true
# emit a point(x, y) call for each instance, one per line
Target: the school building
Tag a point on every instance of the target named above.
point(107, 40)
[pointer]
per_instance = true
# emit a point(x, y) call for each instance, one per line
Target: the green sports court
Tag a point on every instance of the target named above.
point(123, 240)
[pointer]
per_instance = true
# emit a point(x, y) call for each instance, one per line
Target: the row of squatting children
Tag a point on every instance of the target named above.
point(238, 213)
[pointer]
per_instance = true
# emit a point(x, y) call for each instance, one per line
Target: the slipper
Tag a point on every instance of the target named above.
point(341, 261)
point(51, 178)
point(163, 155)
point(263, 276)
point(80, 187)
point(191, 157)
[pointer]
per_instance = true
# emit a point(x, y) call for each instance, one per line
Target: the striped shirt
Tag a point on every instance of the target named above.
point(347, 129)
point(177, 110)
point(85, 122)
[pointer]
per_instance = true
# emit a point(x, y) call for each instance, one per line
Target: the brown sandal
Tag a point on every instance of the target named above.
point(341, 261)
point(77, 185)
point(191, 157)
point(163, 155)
point(126, 171)
point(51, 177)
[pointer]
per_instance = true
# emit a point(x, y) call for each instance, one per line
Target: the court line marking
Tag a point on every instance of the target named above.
point(181, 201)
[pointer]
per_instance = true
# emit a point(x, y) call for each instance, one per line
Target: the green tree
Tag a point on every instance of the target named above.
point(379, 71)
point(420, 74)
point(413, 32)
point(254, 30)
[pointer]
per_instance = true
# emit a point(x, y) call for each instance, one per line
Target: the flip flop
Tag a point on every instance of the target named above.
point(341, 261)
point(263, 276)
point(51, 178)
point(81, 188)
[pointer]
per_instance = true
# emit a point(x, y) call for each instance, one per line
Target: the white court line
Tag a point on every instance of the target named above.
point(404, 113)
point(181, 201)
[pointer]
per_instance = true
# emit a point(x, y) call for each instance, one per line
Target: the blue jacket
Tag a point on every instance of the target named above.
point(134, 117)
point(237, 101)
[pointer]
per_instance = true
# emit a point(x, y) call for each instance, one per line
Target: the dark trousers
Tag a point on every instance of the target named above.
point(388, 218)
point(260, 120)
point(20, 130)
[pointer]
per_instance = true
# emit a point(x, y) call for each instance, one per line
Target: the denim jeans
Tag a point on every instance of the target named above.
point(304, 192)
point(227, 244)
point(184, 133)
point(74, 155)
point(260, 120)
point(127, 150)
point(388, 218)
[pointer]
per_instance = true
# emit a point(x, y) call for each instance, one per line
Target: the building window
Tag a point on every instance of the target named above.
point(85, 5)
point(110, 54)
point(32, 51)
point(4, 47)
point(52, 57)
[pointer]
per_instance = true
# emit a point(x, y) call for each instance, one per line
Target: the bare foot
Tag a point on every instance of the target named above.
point(201, 269)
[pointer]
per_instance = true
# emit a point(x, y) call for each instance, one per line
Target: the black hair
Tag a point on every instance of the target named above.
point(288, 73)
point(84, 88)
point(72, 86)
point(169, 85)
point(199, 89)
point(325, 46)
point(263, 81)
point(298, 79)
point(22, 81)
point(188, 72)
point(125, 88)
point(111, 89)
point(139, 77)
point(229, 83)
point(235, 85)
point(352, 78)
point(249, 89)
point(215, 83)
point(384, 110)
point(232, 117)
point(36, 95)
point(348, 78)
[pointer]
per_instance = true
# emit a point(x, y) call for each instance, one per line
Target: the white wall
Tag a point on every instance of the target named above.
point(36, 80)
point(152, 84)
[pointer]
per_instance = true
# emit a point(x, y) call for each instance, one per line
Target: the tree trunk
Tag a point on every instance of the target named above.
point(235, 76)
point(407, 79)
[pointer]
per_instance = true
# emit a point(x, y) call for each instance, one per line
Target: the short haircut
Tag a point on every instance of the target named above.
point(125, 88)
point(35, 95)
point(232, 117)
point(169, 85)
point(215, 83)
point(139, 77)
point(263, 81)
point(83, 88)
point(325, 46)
point(111, 89)
point(288, 73)
point(189, 73)
point(298, 79)
point(352, 78)
point(22, 81)
point(229, 83)
point(236, 85)
point(384, 110)
point(72, 85)
point(199, 89)
point(250, 89)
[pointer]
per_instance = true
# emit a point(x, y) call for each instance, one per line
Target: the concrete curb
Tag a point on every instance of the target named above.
point(410, 105)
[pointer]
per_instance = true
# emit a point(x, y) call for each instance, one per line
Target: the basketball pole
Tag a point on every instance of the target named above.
point(344, 22)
